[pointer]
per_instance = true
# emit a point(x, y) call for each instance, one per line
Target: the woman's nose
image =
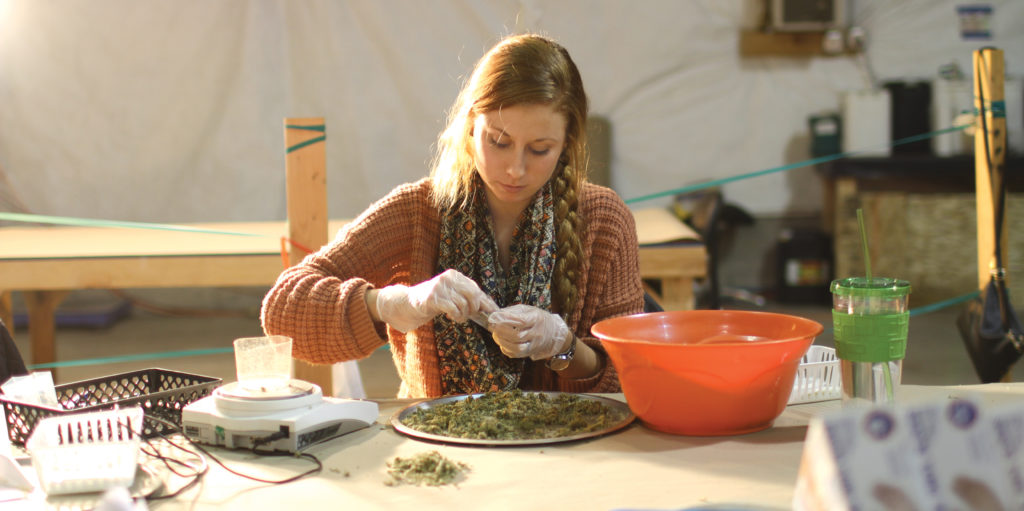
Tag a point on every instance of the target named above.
point(517, 167)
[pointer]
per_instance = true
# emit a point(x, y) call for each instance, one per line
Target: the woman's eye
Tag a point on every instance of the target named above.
point(541, 152)
point(495, 143)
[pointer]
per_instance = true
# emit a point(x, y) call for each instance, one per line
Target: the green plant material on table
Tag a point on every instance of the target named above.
point(427, 468)
point(515, 415)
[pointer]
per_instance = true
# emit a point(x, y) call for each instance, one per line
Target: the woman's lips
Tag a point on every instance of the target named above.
point(512, 189)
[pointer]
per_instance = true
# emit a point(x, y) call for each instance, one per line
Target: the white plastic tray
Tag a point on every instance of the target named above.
point(817, 377)
point(86, 452)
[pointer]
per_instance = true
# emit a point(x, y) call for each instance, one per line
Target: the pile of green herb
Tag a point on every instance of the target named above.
point(429, 468)
point(515, 415)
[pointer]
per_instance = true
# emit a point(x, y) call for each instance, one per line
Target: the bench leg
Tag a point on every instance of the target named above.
point(42, 325)
point(6, 310)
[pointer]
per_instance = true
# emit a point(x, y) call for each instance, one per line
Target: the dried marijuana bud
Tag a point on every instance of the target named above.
point(429, 468)
point(515, 415)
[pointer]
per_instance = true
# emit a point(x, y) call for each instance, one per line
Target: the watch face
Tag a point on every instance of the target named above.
point(559, 362)
point(562, 360)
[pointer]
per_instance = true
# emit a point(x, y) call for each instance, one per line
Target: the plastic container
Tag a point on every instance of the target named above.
point(870, 322)
point(817, 377)
point(161, 393)
point(707, 372)
point(263, 363)
point(86, 452)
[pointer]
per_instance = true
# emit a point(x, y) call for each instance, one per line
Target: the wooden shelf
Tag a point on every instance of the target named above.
point(758, 43)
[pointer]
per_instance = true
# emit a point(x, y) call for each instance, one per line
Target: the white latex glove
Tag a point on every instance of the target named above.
point(527, 331)
point(451, 293)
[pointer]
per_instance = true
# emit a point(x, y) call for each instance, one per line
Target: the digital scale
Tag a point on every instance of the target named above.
point(288, 417)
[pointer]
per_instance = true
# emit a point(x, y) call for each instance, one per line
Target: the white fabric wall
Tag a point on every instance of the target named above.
point(171, 110)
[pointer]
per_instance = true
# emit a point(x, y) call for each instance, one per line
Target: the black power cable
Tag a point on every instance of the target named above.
point(197, 473)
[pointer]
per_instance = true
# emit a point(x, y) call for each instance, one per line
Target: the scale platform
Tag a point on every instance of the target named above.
point(289, 417)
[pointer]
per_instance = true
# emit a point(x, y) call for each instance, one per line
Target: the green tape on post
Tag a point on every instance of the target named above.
point(311, 141)
point(315, 127)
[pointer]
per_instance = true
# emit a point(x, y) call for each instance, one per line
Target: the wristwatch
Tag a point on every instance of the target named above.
point(562, 360)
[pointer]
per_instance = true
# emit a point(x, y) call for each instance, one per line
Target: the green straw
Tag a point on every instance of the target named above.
point(867, 270)
point(864, 243)
point(888, 382)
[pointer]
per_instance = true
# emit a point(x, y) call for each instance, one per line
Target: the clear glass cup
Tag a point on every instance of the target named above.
point(263, 363)
point(871, 321)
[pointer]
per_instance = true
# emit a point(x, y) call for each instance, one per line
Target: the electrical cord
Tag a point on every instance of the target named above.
point(198, 474)
point(315, 470)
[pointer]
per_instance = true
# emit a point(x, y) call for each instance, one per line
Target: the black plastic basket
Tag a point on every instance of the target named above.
point(160, 392)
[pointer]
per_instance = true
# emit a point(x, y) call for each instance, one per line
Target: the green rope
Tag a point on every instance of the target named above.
point(86, 222)
point(945, 303)
point(791, 166)
point(316, 127)
point(997, 108)
point(132, 358)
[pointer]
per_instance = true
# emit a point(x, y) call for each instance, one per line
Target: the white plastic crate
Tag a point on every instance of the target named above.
point(86, 452)
point(817, 377)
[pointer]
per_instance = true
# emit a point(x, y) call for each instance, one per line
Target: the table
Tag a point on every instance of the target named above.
point(46, 263)
point(636, 468)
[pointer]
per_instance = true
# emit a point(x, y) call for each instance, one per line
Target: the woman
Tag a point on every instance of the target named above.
point(506, 230)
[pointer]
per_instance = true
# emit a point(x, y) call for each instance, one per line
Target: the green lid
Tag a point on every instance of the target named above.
point(877, 287)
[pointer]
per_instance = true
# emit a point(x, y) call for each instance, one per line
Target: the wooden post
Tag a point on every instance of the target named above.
point(989, 85)
point(989, 155)
point(306, 182)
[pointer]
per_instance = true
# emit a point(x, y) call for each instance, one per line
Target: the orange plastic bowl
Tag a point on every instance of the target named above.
point(707, 372)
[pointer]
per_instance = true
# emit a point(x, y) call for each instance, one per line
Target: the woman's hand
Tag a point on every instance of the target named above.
point(406, 308)
point(527, 331)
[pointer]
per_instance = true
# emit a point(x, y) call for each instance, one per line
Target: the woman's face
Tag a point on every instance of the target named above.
point(516, 152)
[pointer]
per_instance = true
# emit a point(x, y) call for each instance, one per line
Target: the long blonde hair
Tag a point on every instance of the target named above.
point(523, 69)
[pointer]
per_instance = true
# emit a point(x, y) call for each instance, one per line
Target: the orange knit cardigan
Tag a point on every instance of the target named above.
point(320, 302)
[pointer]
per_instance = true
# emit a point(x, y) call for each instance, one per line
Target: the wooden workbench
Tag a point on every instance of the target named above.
point(46, 263)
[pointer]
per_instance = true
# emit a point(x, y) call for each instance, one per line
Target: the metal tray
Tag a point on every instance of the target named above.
point(399, 416)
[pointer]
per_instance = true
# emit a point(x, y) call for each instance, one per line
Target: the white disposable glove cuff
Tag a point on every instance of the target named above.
point(394, 308)
point(558, 343)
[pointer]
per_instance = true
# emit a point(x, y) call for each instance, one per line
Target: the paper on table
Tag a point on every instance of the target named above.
point(11, 476)
point(658, 225)
point(34, 388)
